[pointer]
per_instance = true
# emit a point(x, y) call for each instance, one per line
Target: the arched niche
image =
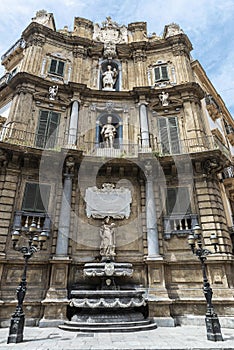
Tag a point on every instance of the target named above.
point(114, 120)
point(110, 70)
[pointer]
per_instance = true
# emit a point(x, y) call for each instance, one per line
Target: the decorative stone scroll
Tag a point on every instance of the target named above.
point(108, 201)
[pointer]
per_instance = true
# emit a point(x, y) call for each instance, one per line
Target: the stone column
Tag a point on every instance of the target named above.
point(64, 218)
point(73, 126)
point(144, 126)
point(56, 301)
point(151, 219)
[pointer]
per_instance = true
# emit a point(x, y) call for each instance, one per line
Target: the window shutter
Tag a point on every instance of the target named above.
point(163, 135)
point(169, 135)
point(164, 73)
point(42, 129)
point(29, 196)
point(60, 68)
point(178, 200)
point(170, 199)
point(36, 197)
point(47, 129)
point(52, 129)
point(174, 137)
point(53, 66)
point(156, 73)
point(42, 198)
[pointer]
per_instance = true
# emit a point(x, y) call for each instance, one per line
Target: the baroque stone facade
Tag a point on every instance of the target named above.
point(115, 111)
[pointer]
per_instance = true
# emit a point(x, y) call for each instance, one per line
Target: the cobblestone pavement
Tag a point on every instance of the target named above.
point(176, 338)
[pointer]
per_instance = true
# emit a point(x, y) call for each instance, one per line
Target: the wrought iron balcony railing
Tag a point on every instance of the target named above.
point(12, 135)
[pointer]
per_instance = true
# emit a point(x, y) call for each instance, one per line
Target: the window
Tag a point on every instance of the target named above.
point(36, 197)
point(178, 200)
point(160, 73)
point(47, 129)
point(169, 135)
point(56, 67)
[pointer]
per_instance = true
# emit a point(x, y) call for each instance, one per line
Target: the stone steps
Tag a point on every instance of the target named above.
point(144, 325)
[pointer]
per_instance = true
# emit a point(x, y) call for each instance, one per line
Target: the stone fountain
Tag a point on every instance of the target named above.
point(110, 303)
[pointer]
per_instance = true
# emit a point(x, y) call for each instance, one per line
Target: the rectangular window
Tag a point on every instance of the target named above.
point(169, 135)
point(178, 200)
point(160, 73)
point(36, 197)
point(46, 136)
point(56, 67)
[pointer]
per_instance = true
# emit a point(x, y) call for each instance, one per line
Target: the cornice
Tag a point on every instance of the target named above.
point(36, 28)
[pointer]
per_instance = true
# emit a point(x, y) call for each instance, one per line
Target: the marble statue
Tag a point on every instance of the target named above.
point(53, 90)
point(108, 133)
point(107, 233)
point(109, 78)
point(164, 98)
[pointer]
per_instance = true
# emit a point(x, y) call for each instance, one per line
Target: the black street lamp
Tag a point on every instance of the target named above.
point(36, 238)
point(212, 322)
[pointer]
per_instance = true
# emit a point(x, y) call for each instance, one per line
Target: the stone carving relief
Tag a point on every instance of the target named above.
point(172, 29)
point(110, 34)
point(45, 18)
point(108, 202)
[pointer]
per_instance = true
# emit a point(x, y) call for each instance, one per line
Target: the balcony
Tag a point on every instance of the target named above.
point(11, 134)
point(17, 47)
point(179, 224)
point(4, 80)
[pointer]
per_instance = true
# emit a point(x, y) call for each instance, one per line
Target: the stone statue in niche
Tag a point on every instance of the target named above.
point(109, 78)
point(108, 133)
point(107, 234)
point(164, 98)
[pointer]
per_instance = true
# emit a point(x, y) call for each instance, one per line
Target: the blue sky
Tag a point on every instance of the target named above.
point(209, 25)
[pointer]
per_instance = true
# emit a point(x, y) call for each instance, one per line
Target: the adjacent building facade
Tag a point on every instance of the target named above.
point(105, 112)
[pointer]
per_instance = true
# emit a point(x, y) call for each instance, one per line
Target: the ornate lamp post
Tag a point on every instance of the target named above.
point(35, 240)
point(212, 322)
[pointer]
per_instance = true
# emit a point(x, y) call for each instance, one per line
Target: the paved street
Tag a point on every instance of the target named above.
point(177, 338)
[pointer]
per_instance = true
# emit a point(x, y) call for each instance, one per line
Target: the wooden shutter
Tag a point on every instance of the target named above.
point(164, 74)
point(60, 68)
point(178, 200)
point(169, 135)
point(47, 129)
point(42, 129)
point(36, 197)
point(163, 135)
point(174, 137)
point(156, 74)
point(29, 196)
point(42, 198)
point(52, 125)
point(53, 66)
